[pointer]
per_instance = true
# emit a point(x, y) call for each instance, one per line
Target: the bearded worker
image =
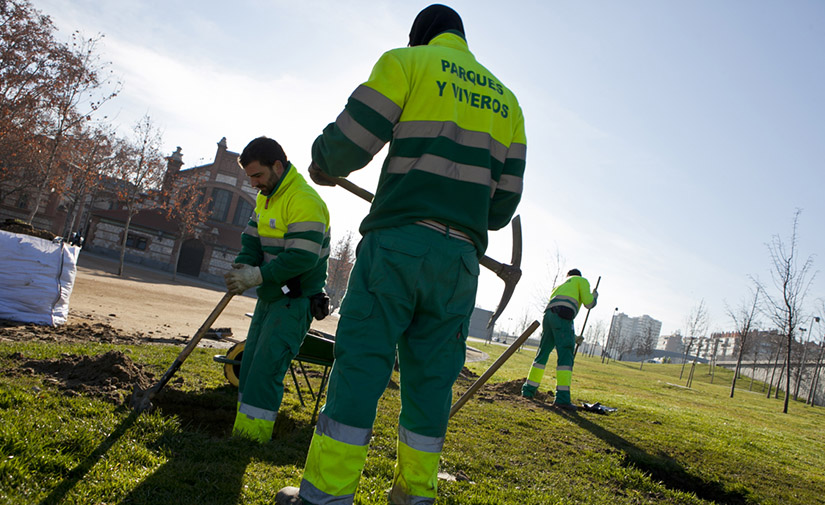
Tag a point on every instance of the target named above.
point(284, 253)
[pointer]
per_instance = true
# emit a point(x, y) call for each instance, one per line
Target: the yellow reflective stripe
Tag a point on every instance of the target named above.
point(303, 244)
point(450, 130)
point(441, 166)
point(359, 135)
point(564, 378)
point(376, 101)
point(306, 226)
point(334, 466)
point(256, 429)
point(416, 475)
point(535, 375)
point(517, 151)
point(511, 183)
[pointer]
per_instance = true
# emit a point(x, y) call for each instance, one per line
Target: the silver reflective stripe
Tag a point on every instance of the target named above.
point(564, 368)
point(590, 305)
point(324, 252)
point(272, 242)
point(314, 495)
point(539, 366)
point(257, 413)
point(517, 152)
point(251, 231)
point(511, 183)
point(306, 226)
point(450, 130)
point(441, 166)
point(420, 442)
point(565, 301)
point(341, 432)
point(303, 244)
point(359, 135)
point(532, 383)
point(377, 102)
point(269, 257)
point(562, 388)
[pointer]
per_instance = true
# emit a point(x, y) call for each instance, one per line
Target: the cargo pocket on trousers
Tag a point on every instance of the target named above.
point(464, 296)
point(397, 266)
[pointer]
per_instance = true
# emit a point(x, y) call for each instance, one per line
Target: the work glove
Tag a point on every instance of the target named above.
point(595, 295)
point(318, 176)
point(242, 277)
point(579, 340)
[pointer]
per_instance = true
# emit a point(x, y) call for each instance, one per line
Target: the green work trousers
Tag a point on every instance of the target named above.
point(412, 289)
point(275, 335)
point(556, 333)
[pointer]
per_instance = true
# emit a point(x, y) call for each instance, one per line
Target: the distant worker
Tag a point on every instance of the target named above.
point(558, 332)
point(453, 171)
point(284, 252)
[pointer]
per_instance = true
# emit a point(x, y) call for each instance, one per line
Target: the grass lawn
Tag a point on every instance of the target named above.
point(665, 444)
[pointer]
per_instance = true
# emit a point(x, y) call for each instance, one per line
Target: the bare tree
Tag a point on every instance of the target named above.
point(554, 276)
point(340, 265)
point(596, 333)
point(696, 325)
point(140, 169)
point(645, 344)
point(76, 93)
point(744, 318)
point(792, 279)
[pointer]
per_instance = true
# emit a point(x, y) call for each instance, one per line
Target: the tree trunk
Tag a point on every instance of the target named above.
point(123, 243)
point(739, 367)
point(178, 246)
point(773, 371)
point(800, 373)
point(788, 377)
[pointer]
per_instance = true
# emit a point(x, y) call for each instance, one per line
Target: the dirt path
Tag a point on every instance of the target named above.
point(149, 302)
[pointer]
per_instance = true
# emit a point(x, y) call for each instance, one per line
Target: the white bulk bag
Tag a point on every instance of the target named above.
point(36, 278)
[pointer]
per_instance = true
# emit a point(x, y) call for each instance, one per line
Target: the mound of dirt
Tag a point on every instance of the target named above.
point(510, 391)
point(111, 376)
point(18, 226)
point(16, 331)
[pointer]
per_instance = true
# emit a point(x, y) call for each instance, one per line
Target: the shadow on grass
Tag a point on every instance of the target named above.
point(204, 465)
point(71, 480)
point(660, 467)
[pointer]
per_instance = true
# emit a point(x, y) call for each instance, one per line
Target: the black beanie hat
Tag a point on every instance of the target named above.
point(432, 21)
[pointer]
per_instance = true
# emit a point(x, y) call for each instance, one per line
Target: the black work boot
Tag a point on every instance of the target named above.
point(288, 496)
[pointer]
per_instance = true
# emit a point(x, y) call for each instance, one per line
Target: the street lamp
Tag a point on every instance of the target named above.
point(609, 333)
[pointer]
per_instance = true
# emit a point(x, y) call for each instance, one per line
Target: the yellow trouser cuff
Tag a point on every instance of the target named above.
point(334, 467)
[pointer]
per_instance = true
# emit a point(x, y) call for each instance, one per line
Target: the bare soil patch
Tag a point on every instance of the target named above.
point(110, 376)
point(17, 226)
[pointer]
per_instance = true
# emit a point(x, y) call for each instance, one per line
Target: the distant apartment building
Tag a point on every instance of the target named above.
point(627, 332)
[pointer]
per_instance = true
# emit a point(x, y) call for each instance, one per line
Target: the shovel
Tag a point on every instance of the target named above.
point(142, 398)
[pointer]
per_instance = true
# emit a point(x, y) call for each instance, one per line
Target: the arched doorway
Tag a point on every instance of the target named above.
point(191, 257)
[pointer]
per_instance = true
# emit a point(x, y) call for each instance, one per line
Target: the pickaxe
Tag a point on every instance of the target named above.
point(510, 274)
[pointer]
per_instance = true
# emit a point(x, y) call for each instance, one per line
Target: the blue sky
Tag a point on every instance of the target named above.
point(667, 141)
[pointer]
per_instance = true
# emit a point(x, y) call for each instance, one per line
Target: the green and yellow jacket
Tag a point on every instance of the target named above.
point(457, 144)
point(572, 293)
point(288, 237)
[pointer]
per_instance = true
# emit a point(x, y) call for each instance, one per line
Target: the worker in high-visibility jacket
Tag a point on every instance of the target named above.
point(453, 170)
point(557, 332)
point(284, 252)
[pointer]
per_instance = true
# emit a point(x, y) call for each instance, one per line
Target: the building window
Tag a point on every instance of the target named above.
point(242, 212)
point(136, 242)
point(220, 204)
point(23, 201)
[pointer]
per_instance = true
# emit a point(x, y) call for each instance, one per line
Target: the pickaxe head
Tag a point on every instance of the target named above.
point(510, 274)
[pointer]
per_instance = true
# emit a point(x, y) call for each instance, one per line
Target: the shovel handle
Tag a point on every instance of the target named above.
point(205, 327)
point(495, 366)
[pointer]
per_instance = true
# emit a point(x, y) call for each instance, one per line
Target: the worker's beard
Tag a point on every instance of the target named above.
point(269, 186)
